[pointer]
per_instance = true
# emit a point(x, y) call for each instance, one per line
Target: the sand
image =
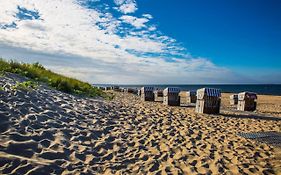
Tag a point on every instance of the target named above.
point(45, 131)
point(267, 104)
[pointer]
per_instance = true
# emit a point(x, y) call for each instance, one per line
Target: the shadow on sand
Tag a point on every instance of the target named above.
point(249, 115)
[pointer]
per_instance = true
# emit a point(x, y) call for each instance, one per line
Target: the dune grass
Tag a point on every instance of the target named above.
point(62, 83)
point(26, 85)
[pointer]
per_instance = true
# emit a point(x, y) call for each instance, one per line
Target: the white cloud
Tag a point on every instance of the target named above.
point(148, 16)
point(134, 21)
point(126, 6)
point(152, 28)
point(67, 28)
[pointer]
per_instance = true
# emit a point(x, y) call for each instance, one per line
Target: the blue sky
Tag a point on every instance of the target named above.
point(228, 32)
point(129, 41)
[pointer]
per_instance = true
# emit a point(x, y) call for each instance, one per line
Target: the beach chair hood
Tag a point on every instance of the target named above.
point(171, 90)
point(247, 95)
point(208, 92)
point(158, 91)
point(147, 88)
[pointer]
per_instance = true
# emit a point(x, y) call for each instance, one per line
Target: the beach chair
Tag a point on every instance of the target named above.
point(107, 88)
point(147, 93)
point(100, 87)
point(139, 92)
point(183, 98)
point(233, 99)
point(208, 101)
point(158, 95)
point(247, 101)
point(122, 89)
point(187, 97)
point(131, 90)
point(171, 96)
point(126, 90)
point(116, 88)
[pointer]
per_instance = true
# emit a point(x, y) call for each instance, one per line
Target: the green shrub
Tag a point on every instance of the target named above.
point(64, 86)
point(26, 85)
point(37, 72)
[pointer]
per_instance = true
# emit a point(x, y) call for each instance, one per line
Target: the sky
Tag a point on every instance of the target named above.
point(145, 41)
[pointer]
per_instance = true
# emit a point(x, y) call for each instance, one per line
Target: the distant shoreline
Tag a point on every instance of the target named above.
point(260, 89)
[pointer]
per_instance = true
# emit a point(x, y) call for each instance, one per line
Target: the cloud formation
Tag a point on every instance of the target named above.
point(126, 6)
point(134, 21)
point(127, 48)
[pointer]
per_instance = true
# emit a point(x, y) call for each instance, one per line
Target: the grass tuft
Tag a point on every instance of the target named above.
point(38, 73)
point(26, 85)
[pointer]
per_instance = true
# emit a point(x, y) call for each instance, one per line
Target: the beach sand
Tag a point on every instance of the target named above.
point(45, 131)
point(266, 104)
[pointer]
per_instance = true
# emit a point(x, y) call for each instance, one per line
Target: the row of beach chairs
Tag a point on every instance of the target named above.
point(206, 100)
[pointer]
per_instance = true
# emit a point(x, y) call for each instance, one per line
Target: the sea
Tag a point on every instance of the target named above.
point(262, 89)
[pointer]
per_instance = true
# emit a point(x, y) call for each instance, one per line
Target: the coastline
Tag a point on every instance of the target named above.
point(260, 89)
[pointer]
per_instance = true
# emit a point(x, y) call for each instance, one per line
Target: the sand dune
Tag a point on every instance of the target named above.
point(44, 131)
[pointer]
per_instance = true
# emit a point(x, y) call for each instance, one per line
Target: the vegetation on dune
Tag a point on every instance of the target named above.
point(37, 72)
point(26, 85)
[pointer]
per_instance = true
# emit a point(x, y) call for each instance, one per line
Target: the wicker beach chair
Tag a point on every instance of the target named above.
point(208, 101)
point(107, 88)
point(171, 96)
point(247, 101)
point(158, 95)
point(147, 93)
point(116, 88)
point(233, 99)
point(187, 97)
point(139, 92)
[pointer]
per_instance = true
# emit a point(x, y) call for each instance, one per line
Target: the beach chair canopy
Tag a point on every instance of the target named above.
point(234, 96)
point(158, 91)
point(187, 93)
point(147, 88)
point(171, 90)
point(247, 95)
point(208, 92)
point(183, 93)
point(191, 93)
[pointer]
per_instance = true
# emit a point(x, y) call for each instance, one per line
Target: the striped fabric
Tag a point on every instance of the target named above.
point(171, 90)
point(208, 92)
point(147, 88)
point(213, 92)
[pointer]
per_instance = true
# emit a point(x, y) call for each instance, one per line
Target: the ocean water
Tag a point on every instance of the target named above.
point(266, 89)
